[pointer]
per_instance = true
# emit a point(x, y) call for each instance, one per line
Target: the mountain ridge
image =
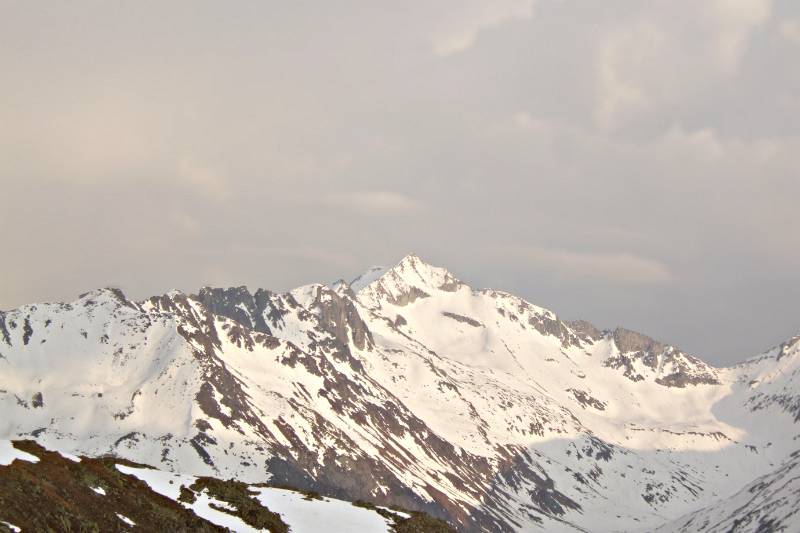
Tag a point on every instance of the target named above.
point(416, 390)
point(364, 279)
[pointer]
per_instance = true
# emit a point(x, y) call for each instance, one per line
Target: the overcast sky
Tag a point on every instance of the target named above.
point(632, 163)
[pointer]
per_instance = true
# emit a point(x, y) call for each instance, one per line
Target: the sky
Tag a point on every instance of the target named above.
point(631, 163)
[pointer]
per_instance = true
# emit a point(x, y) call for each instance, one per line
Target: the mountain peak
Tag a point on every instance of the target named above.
point(411, 258)
point(112, 296)
point(413, 263)
point(408, 280)
point(112, 292)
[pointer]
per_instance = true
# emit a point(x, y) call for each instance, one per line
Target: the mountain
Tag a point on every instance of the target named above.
point(408, 387)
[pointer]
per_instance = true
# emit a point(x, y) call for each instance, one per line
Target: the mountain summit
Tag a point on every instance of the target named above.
point(402, 284)
point(408, 387)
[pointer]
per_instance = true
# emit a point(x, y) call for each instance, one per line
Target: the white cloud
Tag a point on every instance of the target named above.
point(374, 203)
point(790, 30)
point(704, 142)
point(624, 57)
point(529, 123)
point(622, 268)
point(730, 23)
point(655, 58)
point(202, 178)
point(185, 222)
point(462, 25)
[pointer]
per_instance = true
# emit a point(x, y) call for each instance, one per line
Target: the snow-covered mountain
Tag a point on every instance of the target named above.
point(409, 387)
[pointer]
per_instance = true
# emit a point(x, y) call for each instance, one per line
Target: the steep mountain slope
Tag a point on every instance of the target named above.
point(769, 503)
point(406, 387)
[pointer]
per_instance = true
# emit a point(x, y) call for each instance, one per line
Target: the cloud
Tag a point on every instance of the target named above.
point(185, 222)
point(621, 268)
point(462, 25)
point(374, 203)
point(528, 123)
point(790, 30)
point(624, 56)
point(654, 59)
point(558, 123)
point(202, 178)
point(730, 22)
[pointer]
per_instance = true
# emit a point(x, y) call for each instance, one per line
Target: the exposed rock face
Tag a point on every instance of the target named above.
point(338, 316)
point(587, 400)
point(415, 390)
point(630, 341)
point(639, 353)
point(237, 304)
point(547, 325)
point(585, 330)
point(789, 348)
point(4, 330)
point(461, 318)
point(259, 311)
point(37, 400)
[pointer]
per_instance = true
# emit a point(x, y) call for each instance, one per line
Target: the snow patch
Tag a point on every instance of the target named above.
point(329, 515)
point(8, 454)
point(126, 519)
point(69, 456)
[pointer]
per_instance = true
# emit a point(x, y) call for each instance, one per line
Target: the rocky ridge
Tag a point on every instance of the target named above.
point(405, 387)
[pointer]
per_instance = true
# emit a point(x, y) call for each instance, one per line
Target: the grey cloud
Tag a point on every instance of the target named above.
point(620, 268)
point(790, 30)
point(374, 203)
point(457, 31)
point(278, 144)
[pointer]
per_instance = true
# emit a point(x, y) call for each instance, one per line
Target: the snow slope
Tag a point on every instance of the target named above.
point(303, 515)
point(769, 503)
point(9, 454)
point(406, 387)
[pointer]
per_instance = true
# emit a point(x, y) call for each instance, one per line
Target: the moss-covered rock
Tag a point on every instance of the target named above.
point(55, 494)
point(241, 497)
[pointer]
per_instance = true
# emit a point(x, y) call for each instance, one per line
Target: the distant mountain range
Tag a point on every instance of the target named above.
point(408, 387)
